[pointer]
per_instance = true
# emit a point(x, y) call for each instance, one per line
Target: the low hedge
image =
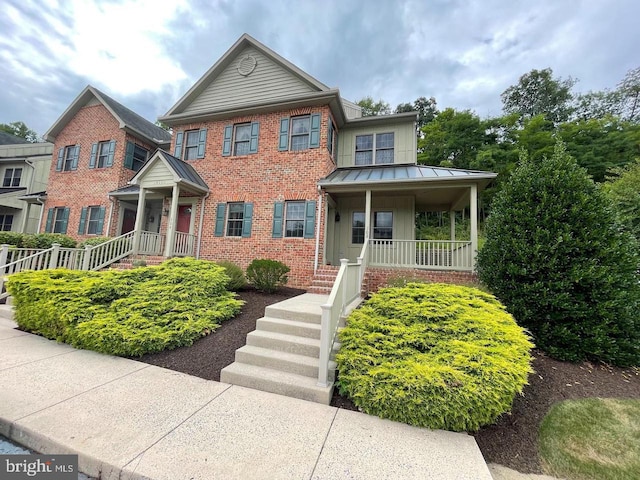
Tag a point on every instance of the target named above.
point(125, 312)
point(433, 355)
point(93, 241)
point(267, 275)
point(237, 280)
point(36, 240)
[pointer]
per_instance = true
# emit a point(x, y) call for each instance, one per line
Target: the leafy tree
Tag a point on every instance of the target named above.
point(370, 107)
point(629, 89)
point(599, 104)
point(557, 258)
point(19, 129)
point(427, 109)
point(623, 189)
point(163, 126)
point(537, 92)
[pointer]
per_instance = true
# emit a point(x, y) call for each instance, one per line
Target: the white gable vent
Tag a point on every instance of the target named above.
point(247, 65)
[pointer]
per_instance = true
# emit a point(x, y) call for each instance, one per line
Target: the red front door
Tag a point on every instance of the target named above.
point(184, 218)
point(128, 221)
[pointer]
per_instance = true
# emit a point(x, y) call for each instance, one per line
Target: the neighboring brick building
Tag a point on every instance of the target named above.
point(264, 162)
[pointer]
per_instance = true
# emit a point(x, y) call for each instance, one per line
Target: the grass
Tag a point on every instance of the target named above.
point(592, 439)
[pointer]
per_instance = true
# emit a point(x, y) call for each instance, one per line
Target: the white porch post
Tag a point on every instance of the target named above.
point(139, 219)
point(367, 216)
point(171, 222)
point(452, 223)
point(25, 218)
point(473, 215)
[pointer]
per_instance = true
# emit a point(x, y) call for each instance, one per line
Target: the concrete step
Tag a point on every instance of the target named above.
point(283, 361)
point(276, 311)
point(285, 343)
point(275, 381)
point(6, 311)
point(289, 327)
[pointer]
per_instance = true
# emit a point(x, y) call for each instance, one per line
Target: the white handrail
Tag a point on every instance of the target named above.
point(184, 244)
point(151, 243)
point(106, 253)
point(432, 254)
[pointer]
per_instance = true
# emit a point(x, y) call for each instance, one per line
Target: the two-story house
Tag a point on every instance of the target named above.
point(24, 169)
point(265, 161)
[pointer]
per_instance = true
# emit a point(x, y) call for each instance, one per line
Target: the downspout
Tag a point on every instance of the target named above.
point(110, 216)
point(41, 203)
point(319, 215)
point(204, 201)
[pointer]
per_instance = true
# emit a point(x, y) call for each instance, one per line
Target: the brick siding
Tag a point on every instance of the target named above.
point(378, 277)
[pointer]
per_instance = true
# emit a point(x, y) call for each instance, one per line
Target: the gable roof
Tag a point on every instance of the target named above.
point(182, 171)
point(229, 56)
point(128, 119)
point(8, 139)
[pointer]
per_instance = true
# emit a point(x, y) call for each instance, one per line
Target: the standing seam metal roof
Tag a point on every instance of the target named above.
point(391, 173)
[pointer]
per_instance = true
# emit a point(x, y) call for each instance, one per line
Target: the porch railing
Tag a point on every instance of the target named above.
point(432, 254)
point(346, 289)
point(151, 243)
point(184, 244)
point(108, 252)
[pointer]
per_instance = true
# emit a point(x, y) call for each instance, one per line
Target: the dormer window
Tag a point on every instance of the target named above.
point(375, 148)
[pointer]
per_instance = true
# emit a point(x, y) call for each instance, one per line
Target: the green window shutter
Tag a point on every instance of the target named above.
point(177, 152)
point(247, 218)
point(314, 133)
point(83, 219)
point(94, 154)
point(278, 215)
point(309, 219)
point(226, 142)
point(47, 228)
point(220, 214)
point(112, 151)
point(330, 136)
point(100, 221)
point(128, 156)
point(65, 220)
point(283, 144)
point(76, 156)
point(60, 160)
point(253, 143)
point(202, 140)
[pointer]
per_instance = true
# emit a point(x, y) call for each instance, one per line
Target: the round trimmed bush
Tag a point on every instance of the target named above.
point(433, 355)
point(237, 280)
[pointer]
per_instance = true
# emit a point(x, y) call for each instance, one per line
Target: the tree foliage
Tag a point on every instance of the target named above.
point(427, 109)
point(538, 92)
point(623, 189)
point(557, 258)
point(370, 107)
point(629, 90)
point(20, 129)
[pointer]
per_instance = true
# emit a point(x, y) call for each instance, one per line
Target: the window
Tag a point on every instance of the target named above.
point(190, 144)
point(332, 141)
point(68, 158)
point(241, 139)
point(357, 227)
point(91, 221)
point(300, 133)
point(102, 154)
point(294, 219)
point(300, 128)
point(234, 219)
point(12, 177)
point(383, 225)
point(135, 157)
point(57, 219)
point(5, 222)
point(383, 152)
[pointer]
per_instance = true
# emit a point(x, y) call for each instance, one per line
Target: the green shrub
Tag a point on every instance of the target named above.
point(92, 242)
point(45, 240)
point(139, 262)
point(11, 238)
point(562, 265)
point(125, 312)
point(433, 355)
point(237, 280)
point(267, 275)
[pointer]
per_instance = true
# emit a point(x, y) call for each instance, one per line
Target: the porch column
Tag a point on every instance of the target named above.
point(473, 215)
point(171, 222)
point(139, 219)
point(452, 223)
point(367, 216)
point(25, 218)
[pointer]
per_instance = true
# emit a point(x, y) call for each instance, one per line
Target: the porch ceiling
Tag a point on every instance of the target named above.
point(427, 199)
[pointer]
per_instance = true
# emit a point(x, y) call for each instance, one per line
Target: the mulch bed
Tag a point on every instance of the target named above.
point(511, 441)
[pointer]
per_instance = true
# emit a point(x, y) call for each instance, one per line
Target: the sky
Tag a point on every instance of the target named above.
point(147, 53)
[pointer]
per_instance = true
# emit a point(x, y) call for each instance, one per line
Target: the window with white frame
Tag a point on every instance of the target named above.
point(300, 129)
point(6, 221)
point(191, 144)
point(235, 217)
point(383, 225)
point(374, 148)
point(241, 139)
point(93, 221)
point(294, 219)
point(12, 177)
point(103, 154)
point(357, 227)
point(70, 156)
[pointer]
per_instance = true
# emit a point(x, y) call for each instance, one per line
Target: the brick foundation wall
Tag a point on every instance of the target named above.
point(378, 277)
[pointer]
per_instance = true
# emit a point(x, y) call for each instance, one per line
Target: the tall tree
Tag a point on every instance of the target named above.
point(598, 104)
point(538, 92)
point(629, 89)
point(427, 109)
point(19, 129)
point(622, 187)
point(371, 108)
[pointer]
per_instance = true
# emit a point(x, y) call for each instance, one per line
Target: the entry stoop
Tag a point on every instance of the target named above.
point(323, 280)
point(281, 354)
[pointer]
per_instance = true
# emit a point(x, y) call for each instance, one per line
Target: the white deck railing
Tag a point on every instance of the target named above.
point(108, 252)
point(431, 254)
point(184, 244)
point(151, 243)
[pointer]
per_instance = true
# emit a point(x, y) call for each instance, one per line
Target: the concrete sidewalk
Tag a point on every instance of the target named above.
point(130, 420)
